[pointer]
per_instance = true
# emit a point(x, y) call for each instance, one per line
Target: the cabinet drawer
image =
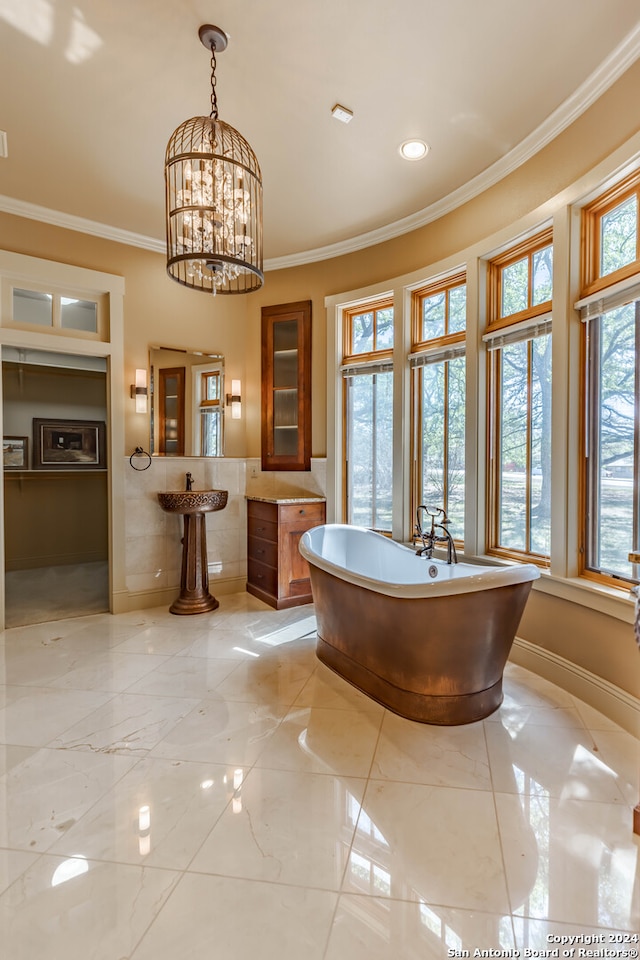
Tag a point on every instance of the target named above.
point(265, 529)
point(265, 551)
point(263, 576)
point(265, 511)
point(313, 512)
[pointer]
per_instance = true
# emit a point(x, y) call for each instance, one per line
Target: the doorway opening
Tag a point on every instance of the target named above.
point(56, 492)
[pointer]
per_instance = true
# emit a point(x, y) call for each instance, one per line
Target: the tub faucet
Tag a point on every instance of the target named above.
point(189, 482)
point(430, 538)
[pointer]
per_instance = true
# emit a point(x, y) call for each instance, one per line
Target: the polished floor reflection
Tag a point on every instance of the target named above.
point(188, 787)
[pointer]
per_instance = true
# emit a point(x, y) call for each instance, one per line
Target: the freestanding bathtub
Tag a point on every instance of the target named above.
point(427, 639)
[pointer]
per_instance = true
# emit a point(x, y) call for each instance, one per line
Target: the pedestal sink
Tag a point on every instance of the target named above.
point(194, 579)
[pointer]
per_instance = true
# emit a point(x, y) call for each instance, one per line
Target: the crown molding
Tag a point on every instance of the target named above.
point(610, 70)
point(31, 211)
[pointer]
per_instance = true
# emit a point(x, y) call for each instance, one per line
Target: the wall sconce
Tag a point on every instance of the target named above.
point(139, 391)
point(235, 400)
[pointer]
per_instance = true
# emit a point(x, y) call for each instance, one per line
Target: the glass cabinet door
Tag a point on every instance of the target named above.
point(286, 386)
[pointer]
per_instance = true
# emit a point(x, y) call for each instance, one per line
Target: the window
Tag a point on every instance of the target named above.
point(40, 308)
point(210, 414)
point(519, 343)
point(438, 385)
point(610, 310)
point(610, 237)
point(368, 377)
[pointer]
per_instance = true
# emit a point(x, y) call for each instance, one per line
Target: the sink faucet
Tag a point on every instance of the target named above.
point(430, 538)
point(189, 482)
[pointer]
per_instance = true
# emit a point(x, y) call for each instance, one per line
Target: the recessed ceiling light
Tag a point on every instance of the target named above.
point(342, 113)
point(413, 149)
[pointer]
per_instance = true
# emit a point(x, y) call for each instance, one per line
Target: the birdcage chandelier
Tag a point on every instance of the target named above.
point(213, 199)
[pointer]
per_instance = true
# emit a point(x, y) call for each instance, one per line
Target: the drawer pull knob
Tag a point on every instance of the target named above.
point(301, 511)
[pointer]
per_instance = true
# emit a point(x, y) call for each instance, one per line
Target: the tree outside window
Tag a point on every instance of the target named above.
point(519, 342)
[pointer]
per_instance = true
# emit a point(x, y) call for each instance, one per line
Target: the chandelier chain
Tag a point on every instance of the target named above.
point(214, 100)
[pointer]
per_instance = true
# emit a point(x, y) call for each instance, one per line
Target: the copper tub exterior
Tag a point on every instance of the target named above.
point(437, 659)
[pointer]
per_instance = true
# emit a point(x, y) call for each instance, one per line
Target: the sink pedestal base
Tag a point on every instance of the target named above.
point(194, 579)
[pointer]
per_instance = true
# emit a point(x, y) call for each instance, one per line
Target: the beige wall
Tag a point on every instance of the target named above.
point(158, 310)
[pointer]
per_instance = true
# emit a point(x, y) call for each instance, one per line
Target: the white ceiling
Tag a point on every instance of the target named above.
point(93, 89)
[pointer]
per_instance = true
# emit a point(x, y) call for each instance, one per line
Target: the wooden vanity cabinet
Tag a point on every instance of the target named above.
point(286, 386)
point(277, 573)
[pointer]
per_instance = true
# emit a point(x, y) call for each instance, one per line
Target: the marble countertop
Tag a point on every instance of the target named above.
point(298, 499)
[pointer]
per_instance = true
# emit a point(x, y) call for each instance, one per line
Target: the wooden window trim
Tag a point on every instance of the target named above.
point(494, 433)
point(590, 280)
point(204, 403)
point(431, 290)
point(523, 250)
point(348, 357)
point(592, 283)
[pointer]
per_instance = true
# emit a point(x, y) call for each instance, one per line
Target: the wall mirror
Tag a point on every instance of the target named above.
point(186, 398)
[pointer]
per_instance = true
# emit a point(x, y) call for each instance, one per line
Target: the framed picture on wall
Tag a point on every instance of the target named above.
point(15, 453)
point(68, 444)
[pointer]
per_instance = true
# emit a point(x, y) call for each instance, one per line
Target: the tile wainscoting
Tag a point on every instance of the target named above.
point(153, 538)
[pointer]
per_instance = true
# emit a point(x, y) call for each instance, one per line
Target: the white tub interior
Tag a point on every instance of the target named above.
point(371, 560)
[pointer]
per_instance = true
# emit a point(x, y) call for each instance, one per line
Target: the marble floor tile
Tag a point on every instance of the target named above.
point(243, 919)
point(11, 756)
point(56, 592)
point(324, 741)
point(112, 672)
point(530, 690)
point(514, 714)
point(521, 762)
point(13, 863)
point(293, 828)
point(126, 724)
point(219, 731)
point(419, 753)
point(371, 928)
point(193, 677)
point(437, 844)
point(549, 935)
point(571, 861)
point(593, 719)
point(19, 666)
point(227, 794)
point(326, 689)
point(62, 908)
point(42, 713)
point(157, 815)
point(159, 640)
point(45, 795)
point(620, 752)
point(227, 643)
point(271, 679)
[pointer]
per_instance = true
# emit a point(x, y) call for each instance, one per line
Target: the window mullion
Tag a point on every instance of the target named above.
point(374, 452)
point(445, 440)
point(636, 435)
point(529, 441)
point(593, 444)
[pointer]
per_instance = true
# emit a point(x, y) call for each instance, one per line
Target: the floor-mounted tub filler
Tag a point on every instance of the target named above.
point(427, 639)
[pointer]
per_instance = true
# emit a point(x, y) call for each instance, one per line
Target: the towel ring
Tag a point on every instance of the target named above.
point(139, 452)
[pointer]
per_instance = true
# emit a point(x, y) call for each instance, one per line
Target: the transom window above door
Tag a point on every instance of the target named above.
point(53, 311)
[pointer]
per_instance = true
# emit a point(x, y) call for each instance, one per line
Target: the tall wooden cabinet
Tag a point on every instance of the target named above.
point(286, 386)
point(277, 573)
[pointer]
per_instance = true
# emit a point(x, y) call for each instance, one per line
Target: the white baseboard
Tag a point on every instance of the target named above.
point(143, 599)
point(616, 704)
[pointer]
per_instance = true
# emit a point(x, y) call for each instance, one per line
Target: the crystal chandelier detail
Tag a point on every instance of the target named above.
point(213, 199)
